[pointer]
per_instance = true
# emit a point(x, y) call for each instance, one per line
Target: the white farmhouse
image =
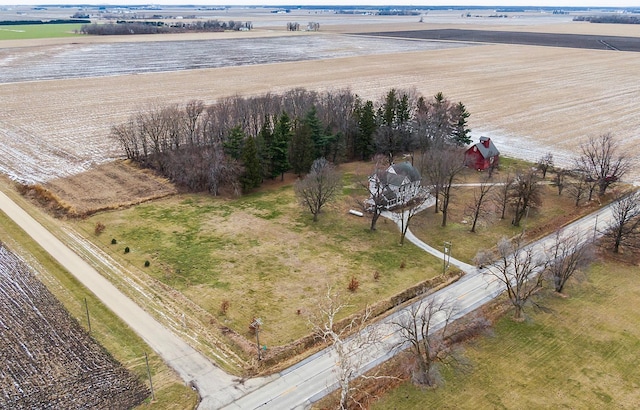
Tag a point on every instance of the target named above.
point(399, 184)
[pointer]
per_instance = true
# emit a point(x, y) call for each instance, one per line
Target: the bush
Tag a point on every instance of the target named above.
point(376, 275)
point(126, 250)
point(113, 241)
point(353, 284)
point(99, 228)
point(224, 307)
point(146, 264)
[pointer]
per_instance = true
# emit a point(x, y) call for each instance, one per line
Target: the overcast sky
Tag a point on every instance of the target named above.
point(551, 3)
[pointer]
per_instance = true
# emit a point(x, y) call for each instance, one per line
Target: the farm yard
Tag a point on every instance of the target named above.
point(49, 361)
point(60, 100)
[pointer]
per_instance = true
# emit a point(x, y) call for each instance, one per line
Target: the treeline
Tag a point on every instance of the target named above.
point(122, 27)
point(611, 19)
point(28, 22)
point(241, 141)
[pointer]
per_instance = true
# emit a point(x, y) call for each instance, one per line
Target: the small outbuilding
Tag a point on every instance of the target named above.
point(483, 155)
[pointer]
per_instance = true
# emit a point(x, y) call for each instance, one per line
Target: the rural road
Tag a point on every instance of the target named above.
point(301, 384)
point(311, 379)
point(216, 387)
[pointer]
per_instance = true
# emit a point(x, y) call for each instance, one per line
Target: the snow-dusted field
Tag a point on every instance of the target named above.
point(530, 100)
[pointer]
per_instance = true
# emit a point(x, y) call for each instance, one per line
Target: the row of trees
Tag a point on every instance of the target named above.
point(239, 142)
point(123, 27)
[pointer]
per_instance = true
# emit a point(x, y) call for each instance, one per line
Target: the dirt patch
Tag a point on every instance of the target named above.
point(109, 186)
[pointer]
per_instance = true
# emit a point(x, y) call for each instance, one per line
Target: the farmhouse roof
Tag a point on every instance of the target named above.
point(399, 174)
point(487, 148)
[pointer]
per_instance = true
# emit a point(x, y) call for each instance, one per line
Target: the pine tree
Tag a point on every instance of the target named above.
point(461, 130)
point(252, 176)
point(280, 146)
point(234, 142)
point(366, 128)
point(264, 141)
point(302, 149)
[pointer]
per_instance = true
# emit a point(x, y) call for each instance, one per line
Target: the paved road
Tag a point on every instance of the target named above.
point(310, 380)
point(215, 386)
point(303, 383)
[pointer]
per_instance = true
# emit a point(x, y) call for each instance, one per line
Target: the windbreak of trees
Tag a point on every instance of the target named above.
point(156, 27)
point(241, 141)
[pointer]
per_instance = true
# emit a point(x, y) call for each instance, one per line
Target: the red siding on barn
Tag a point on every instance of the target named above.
point(474, 157)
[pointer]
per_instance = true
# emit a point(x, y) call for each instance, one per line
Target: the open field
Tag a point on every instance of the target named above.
point(48, 360)
point(35, 31)
point(529, 99)
point(580, 355)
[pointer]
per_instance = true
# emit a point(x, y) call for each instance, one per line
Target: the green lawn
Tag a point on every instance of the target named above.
point(31, 31)
point(582, 355)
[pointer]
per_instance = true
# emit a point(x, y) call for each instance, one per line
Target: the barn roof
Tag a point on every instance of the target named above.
point(486, 147)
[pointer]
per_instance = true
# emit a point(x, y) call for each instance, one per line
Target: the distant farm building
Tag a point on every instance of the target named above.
point(399, 184)
point(483, 155)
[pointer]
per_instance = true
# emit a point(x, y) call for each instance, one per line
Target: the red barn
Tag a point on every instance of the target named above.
point(482, 155)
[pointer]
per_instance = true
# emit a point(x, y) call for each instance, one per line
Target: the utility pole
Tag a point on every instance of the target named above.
point(86, 307)
point(446, 257)
point(257, 322)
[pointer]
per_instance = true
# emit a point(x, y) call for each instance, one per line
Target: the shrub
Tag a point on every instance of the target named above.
point(126, 250)
point(146, 264)
point(113, 241)
point(224, 307)
point(403, 265)
point(99, 228)
point(376, 275)
point(353, 284)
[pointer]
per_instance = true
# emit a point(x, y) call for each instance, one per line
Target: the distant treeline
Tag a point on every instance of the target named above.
point(611, 19)
point(27, 22)
point(158, 27)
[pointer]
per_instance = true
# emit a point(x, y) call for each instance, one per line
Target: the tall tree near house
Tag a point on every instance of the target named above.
point(408, 210)
point(366, 119)
point(568, 255)
point(525, 194)
point(545, 163)
point(478, 209)
point(280, 146)
point(424, 327)
point(601, 161)
point(432, 169)
point(301, 148)
point(453, 164)
point(376, 203)
point(321, 185)
point(252, 175)
point(624, 229)
point(519, 269)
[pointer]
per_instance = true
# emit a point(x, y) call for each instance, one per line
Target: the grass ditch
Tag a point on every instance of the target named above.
point(578, 353)
point(106, 328)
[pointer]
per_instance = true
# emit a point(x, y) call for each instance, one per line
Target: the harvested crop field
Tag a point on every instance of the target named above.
point(48, 360)
point(529, 99)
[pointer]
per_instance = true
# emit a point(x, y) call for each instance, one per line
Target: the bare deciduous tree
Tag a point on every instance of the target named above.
point(320, 186)
point(560, 180)
point(519, 269)
point(424, 327)
point(567, 256)
point(500, 195)
point(452, 165)
point(478, 209)
point(376, 187)
point(524, 195)
point(578, 190)
point(624, 230)
point(545, 164)
point(409, 209)
point(602, 162)
point(347, 341)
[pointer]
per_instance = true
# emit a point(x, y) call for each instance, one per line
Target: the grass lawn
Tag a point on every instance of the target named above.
point(263, 254)
point(31, 31)
point(582, 355)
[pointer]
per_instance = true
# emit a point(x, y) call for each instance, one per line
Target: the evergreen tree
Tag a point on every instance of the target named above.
point(280, 146)
point(252, 175)
point(461, 130)
point(318, 137)
point(366, 120)
point(264, 142)
point(302, 149)
point(234, 142)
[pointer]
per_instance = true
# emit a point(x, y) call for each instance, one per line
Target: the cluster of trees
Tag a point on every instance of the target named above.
point(239, 142)
point(610, 19)
point(157, 27)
